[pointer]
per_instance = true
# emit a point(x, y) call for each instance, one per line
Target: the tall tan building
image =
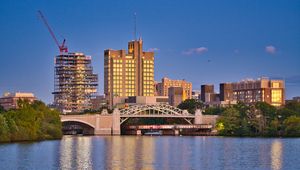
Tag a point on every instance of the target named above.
point(128, 74)
point(166, 83)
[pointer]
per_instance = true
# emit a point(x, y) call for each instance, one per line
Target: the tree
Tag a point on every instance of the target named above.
point(214, 110)
point(4, 130)
point(2, 110)
point(292, 126)
point(266, 109)
point(191, 105)
point(294, 106)
point(30, 122)
point(229, 122)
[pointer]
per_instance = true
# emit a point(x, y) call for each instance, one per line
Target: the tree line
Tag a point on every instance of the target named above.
point(29, 122)
point(257, 119)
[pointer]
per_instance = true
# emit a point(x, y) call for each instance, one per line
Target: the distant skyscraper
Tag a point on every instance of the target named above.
point(75, 83)
point(166, 83)
point(128, 74)
point(226, 92)
point(207, 91)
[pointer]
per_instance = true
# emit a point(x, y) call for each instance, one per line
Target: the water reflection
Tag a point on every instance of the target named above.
point(276, 155)
point(130, 153)
point(76, 153)
point(142, 152)
point(66, 153)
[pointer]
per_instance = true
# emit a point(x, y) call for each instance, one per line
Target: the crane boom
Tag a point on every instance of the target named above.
point(62, 48)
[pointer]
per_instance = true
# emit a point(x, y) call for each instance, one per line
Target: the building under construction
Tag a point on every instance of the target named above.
point(75, 84)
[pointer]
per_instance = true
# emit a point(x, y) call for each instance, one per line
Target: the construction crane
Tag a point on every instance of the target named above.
point(62, 48)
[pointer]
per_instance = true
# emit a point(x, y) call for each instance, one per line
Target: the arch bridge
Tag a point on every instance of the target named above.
point(110, 124)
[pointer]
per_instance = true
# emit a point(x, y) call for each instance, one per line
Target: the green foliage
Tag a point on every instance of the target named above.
point(292, 126)
point(31, 122)
point(190, 105)
point(214, 110)
point(260, 119)
point(4, 130)
point(2, 109)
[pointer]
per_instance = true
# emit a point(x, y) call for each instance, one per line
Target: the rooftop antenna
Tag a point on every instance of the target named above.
point(134, 25)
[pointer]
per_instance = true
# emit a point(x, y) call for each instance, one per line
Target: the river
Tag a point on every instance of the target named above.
point(159, 152)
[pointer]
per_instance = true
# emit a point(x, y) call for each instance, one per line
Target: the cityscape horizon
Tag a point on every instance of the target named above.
point(200, 60)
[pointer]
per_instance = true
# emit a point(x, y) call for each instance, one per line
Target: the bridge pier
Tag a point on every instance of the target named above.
point(116, 126)
point(139, 132)
point(176, 132)
point(198, 117)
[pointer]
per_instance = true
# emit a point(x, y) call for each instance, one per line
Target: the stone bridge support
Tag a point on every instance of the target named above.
point(198, 117)
point(116, 126)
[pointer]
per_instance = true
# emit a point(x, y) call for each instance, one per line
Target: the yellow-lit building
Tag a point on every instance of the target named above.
point(128, 74)
point(264, 89)
point(166, 83)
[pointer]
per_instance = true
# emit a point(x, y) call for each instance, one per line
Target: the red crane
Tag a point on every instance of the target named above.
point(62, 47)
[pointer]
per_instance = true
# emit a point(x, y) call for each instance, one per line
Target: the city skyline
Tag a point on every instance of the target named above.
point(202, 43)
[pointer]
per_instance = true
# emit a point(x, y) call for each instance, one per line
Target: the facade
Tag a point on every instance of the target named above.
point(98, 102)
point(10, 100)
point(226, 92)
point(297, 99)
point(207, 93)
point(121, 102)
point(196, 94)
point(264, 89)
point(75, 83)
point(128, 74)
point(166, 83)
point(176, 95)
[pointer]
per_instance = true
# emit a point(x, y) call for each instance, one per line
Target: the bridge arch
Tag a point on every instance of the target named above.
point(160, 108)
point(75, 126)
point(76, 120)
point(155, 110)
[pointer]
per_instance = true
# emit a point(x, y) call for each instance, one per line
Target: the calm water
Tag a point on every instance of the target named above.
point(165, 152)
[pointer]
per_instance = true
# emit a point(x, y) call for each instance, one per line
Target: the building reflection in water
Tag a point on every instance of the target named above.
point(83, 156)
point(131, 153)
point(276, 155)
point(66, 153)
point(75, 153)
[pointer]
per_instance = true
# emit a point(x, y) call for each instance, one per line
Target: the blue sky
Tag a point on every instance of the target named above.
point(201, 41)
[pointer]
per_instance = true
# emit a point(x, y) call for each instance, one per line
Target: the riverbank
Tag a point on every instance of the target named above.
point(30, 122)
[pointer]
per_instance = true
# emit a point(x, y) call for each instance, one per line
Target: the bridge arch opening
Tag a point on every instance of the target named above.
point(73, 127)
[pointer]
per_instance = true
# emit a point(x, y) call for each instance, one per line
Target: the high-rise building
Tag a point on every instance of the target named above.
point(264, 89)
point(207, 92)
point(75, 83)
point(226, 92)
point(128, 74)
point(166, 83)
point(10, 100)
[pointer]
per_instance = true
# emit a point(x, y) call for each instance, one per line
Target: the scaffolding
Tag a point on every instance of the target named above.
point(75, 84)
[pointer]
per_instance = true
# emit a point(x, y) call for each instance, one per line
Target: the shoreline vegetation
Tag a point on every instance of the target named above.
point(30, 122)
point(37, 122)
point(255, 120)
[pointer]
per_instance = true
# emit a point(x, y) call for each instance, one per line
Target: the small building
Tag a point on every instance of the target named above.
point(176, 96)
point(166, 83)
point(196, 94)
point(10, 100)
point(98, 102)
point(121, 102)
